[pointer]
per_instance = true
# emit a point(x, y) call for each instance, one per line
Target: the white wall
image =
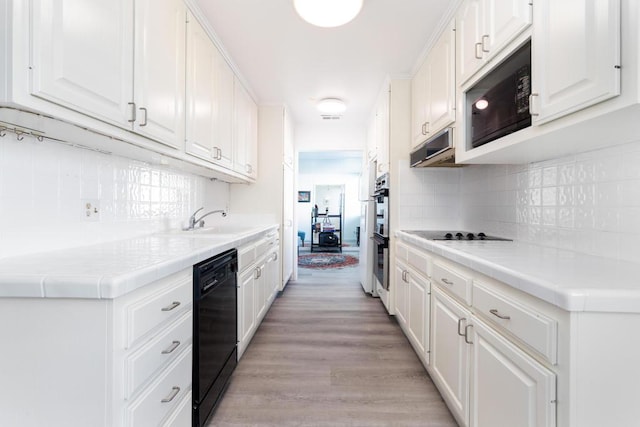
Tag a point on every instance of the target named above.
point(328, 136)
point(43, 186)
point(588, 202)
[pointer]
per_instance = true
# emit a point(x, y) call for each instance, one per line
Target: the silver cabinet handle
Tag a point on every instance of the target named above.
point(427, 127)
point(172, 395)
point(133, 112)
point(485, 42)
point(448, 282)
point(494, 311)
point(217, 153)
point(531, 110)
point(466, 334)
point(248, 168)
point(144, 122)
point(171, 306)
point(258, 273)
point(478, 55)
point(459, 323)
point(424, 128)
point(171, 348)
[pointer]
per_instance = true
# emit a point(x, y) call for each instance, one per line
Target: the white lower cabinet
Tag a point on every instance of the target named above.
point(486, 380)
point(504, 377)
point(99, 362)
point(258, 281)
point(413, 307)
point(449, 366)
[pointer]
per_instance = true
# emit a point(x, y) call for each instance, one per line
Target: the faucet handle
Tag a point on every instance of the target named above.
point(198, 210)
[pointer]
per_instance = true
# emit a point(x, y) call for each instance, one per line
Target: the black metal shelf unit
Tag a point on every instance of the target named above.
point(326, 232)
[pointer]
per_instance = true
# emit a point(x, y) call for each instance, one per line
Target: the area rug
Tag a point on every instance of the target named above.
point(326, 260)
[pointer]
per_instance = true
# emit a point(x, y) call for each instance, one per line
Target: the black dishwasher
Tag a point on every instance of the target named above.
point(214, 331)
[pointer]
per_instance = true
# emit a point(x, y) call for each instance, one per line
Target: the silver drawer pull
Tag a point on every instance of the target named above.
point(172, 395)
point(466, 334)
point(172, 306)
point(459, 323)
point(494, 311)
point(171, 348)
point(448, 282)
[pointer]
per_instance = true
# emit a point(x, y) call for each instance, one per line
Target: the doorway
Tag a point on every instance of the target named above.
point(333, 181)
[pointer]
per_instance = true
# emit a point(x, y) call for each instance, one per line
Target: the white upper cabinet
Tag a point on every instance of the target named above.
point(92, 73)
point(209, 99)
point(484, 28)
point(121, 62)
point(574, 69)
point(245, 132)
point(419, 105)
point(433, 89)
point(159, 77)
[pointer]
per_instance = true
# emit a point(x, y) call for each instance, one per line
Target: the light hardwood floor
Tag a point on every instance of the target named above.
point(327, 354)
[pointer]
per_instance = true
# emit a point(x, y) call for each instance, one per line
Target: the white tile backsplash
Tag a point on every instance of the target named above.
point(43, 186)
point(588, 202)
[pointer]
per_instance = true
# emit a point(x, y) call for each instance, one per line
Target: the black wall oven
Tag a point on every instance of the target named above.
point(380, 236)
point(215, 331)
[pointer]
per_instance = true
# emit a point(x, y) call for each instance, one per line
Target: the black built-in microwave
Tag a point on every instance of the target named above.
point(499, 103)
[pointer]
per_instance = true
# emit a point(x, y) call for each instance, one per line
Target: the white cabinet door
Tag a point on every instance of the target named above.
point(450, 352)
point(209, 99)
point(246, 308)
point(578, 68)
point(401, 293)
point(159, 70)
point(441, 83)
point(419, 105)
point(418, 303)
point(382, 131)
point(260, 290)
point(503, 21)
point(223, 110)
point(468, 39)
point(245, 127)
point(504, 377)
point(83, 56)
point(484, 28)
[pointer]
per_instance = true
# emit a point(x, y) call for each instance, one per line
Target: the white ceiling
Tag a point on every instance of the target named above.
point(286, 61)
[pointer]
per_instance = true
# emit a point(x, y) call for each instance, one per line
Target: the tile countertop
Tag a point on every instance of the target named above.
point(567, 279)
point(112, 269)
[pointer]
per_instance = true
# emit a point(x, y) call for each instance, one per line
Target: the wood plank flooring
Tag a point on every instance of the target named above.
point(327, 354)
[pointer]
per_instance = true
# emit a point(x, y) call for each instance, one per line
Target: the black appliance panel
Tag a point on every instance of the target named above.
point(500, 101)
point(214, 331)
point(381, 263)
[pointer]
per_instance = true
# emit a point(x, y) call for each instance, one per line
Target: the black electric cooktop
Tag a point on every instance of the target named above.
point(454, 235)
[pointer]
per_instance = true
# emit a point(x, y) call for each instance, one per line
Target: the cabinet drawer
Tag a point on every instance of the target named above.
point(402, 251)
point(246, 256)
point(420, 261)
point(142, 364)
point(181, 416)
point(453, 281)
point(161, 397)
point(148, 313)
point(530, 326)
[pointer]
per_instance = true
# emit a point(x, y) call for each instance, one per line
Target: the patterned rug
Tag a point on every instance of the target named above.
point(326, 260)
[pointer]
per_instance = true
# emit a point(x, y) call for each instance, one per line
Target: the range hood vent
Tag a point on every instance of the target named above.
point(437, 151)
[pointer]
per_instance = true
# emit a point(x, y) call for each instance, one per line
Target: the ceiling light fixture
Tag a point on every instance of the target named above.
point(328, 13)
point(331, 106)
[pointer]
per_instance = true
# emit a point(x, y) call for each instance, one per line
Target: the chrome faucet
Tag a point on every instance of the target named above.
point(199, 223)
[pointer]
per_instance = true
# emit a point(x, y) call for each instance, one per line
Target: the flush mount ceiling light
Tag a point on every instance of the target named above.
point(331, 106)
point(327, 13)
